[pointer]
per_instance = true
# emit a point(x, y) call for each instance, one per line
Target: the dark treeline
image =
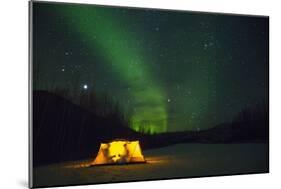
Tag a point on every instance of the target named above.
point(99, 104)
point(251, 124)
point(253, 121)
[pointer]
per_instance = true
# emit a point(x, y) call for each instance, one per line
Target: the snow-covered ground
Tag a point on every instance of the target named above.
point(181, 160)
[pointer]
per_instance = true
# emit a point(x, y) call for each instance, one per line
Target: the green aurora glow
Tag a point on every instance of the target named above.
point(118, 48)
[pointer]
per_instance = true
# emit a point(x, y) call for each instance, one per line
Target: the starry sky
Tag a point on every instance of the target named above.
point(169, 70)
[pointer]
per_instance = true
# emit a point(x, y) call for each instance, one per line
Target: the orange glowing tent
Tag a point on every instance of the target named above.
point(119, 152)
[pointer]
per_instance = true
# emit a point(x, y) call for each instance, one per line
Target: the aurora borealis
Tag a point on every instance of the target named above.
point(169, 70)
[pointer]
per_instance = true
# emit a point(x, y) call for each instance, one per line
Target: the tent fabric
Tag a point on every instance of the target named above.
point(119, 152)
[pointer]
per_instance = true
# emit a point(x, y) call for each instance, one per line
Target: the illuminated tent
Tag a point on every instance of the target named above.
point(119, 152)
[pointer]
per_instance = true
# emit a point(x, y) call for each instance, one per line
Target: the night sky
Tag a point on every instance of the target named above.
point(169, 70)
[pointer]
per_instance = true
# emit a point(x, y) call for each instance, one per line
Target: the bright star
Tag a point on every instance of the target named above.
point(85, 86)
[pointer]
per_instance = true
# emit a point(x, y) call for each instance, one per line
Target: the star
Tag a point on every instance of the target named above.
point(85, 86)
point(205, 46)
point(169, 100)
point(63, 70)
